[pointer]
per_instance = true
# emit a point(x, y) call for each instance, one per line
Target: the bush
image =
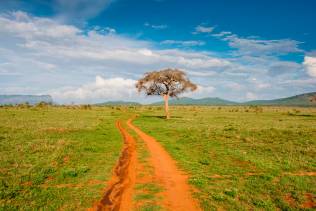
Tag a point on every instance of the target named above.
point(86, 107)
point(23, 105)
point(42, 104)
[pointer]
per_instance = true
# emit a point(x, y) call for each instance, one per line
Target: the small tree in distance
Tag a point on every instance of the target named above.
point(167, 83)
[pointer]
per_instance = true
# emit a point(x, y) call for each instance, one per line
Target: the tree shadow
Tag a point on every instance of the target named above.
point(160, 117)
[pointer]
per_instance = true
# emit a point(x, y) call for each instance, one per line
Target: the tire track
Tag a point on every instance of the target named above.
point(177, 191)
point(118, 194)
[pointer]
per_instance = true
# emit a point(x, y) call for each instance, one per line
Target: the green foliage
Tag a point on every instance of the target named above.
point(238, 158)
point(241, 158)
point(49, 154)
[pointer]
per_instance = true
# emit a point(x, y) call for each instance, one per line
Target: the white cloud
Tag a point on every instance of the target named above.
point(200, 74)
point(284, 67)
point(201, 92)
point(45, 55)
point(185, 43)
point(112, 89)
point(263, 85)
point(257, 47)
point(79, 10)
point(24, 26)
point(310, 82)
point(221, 34)
point(235, 86)
point(110, 30)
point(203, 29)
point(68, 42)
point(253, 46)
point(158, 27)
point(101, 90)
point(105, 30)
point(202, 63)
point(310, 65)
point(251, 96)
point(146, 52)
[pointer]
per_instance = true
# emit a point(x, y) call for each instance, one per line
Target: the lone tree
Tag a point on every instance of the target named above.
point(166, 83)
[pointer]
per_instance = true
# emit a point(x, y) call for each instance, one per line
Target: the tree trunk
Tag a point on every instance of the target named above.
point(166, 98)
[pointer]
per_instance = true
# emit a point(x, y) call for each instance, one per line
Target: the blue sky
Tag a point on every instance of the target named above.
point(92, 51)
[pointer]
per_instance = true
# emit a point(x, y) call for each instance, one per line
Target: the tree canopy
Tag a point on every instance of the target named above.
point(170, 82)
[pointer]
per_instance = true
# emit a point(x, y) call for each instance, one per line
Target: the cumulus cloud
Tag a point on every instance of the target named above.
point(51, 57)
point(31, 28)
point(310, 65)
point(54, 40)
point(101, 90)
point(112, 89)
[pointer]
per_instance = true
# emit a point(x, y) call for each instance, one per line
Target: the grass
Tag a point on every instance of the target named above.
point(238, 158)
point(241, 158)
point(56, 158)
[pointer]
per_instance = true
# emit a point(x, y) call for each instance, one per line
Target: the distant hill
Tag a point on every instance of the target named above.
point(118, 103)
point(18, 99)
point(202, 101)
point(297, 100)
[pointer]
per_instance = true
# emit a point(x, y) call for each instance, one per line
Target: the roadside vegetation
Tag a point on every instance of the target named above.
point(242, 158)
point(237, 157)
point(56, 157)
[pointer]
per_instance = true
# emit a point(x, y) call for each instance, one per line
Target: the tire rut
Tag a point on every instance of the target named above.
point(118, 194)
point(177, 194)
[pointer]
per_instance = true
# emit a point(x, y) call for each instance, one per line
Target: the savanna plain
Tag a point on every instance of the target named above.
point(236, 157)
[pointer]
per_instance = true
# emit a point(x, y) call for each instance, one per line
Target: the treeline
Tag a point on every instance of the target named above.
point(46, 105)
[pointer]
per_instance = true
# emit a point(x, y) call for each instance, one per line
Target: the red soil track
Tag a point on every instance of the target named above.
point(118, 194)
point(177, 191)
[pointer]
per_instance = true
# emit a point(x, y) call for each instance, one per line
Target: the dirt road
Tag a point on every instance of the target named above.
point(177, 191)
point(119, 192)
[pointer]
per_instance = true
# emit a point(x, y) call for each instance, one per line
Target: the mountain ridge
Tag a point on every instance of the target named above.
point(304, 99)
point(19, 99)
point(201, 101)
point(119, 102)
point(296, 100)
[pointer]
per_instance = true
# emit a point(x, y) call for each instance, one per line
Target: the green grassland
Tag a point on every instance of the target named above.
point(241, 158)
point(238, 158)
point(56, 158)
